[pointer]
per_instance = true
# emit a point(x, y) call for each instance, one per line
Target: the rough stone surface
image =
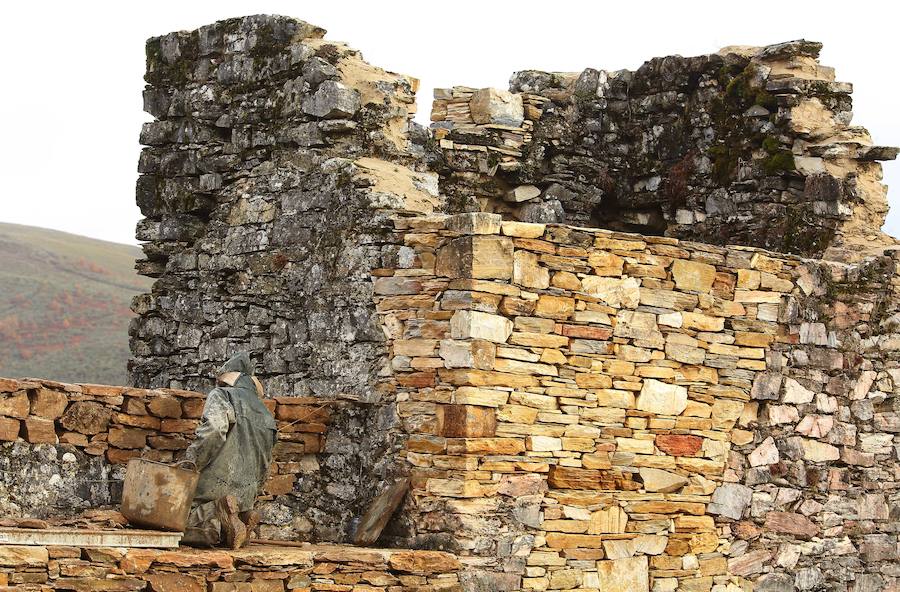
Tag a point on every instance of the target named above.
point(624, 575)
point(661, 398)
point(252, 569)
point(268, 178)
point(575, 407)
point(677, 147)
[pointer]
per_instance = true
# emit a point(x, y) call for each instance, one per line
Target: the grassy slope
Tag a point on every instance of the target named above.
point(64, 305)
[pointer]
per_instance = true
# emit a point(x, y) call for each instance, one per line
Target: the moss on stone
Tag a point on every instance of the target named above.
point(781, 161)
point(739, 91)
point(771, 145)
point(329, 53)
point(766, 100)
point(802, 234)
point(267, 45)
point(724, 160)
point(737, 135)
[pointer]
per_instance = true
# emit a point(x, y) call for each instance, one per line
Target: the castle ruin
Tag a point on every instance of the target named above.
point(621, 331)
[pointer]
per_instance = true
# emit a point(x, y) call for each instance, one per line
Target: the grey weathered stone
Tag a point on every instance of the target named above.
point(775, 582)
point(766, 386)
point(722, 186)
point(730, 500)
point(332, 100)
point(264, 234)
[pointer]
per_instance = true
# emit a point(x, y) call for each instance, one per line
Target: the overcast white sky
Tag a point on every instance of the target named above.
point(71, 96)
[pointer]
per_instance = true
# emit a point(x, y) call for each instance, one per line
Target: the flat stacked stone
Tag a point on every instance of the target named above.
point(591, 407)
point(253, 569)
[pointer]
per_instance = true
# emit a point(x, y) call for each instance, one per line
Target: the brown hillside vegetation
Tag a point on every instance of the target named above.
point(64, 305)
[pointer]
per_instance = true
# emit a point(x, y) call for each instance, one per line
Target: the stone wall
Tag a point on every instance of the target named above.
point(812, 482)
point(576, 408)
point(610, 411)
point(265, 183)
point(269, 175)
point(749, 146)
point(581, 409)
point(64, 447)
point(257, 569)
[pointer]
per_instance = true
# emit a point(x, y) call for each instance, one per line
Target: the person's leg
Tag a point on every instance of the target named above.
point(234, 532)
point(252, 519)
point(203, 526)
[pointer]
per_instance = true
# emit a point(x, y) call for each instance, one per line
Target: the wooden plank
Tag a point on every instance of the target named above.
point(76, 537)
point(379, 512)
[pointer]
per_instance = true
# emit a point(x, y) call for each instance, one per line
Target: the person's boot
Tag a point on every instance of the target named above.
point(251, 518)
point(234, 532)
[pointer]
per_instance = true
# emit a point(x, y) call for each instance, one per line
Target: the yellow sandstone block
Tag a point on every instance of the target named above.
point(531, 339)
point(693, 276)
point(557, 540)
point(554, 307)
point(756, 297)
point(485, 446)
point(568, 526)
point(458, 488)
point(578, 444)
point(467, 395)
point(702, 322)
point(612, 520)
point(748, 279)
point(516, 414)
point(765, 263)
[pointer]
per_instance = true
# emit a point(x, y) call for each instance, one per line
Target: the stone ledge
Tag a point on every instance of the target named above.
point(257, 568)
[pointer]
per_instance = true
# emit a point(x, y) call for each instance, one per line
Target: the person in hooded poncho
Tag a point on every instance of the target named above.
point(233, 452)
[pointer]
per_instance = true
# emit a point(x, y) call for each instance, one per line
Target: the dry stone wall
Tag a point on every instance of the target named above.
point(576, 408)
point(264, 182)
point(269, 174)
point(596, 410)
point(64, 447)
point(748, 146)
point(258, 569)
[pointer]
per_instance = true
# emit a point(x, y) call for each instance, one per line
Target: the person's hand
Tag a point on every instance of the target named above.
point(186, 464)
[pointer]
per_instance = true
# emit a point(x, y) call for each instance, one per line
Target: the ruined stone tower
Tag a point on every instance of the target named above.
point(621, 331)
point(576, 407)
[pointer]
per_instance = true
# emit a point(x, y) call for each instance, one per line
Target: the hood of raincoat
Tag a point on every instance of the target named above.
point(239, 362)
point(238, 367)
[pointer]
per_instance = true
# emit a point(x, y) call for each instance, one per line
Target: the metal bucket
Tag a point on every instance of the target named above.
point(158, 496)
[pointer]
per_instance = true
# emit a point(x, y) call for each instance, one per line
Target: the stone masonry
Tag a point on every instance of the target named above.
point(622, 331)
point(69, 443)
point(268, 180)
point(318, 568)
point(621, 412)
point(571, 405)
point(748, 146)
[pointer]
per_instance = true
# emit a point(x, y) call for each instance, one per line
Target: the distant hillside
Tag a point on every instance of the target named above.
point(64, 305)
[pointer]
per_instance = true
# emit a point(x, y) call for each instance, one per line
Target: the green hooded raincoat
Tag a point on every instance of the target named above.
point(233, 446)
